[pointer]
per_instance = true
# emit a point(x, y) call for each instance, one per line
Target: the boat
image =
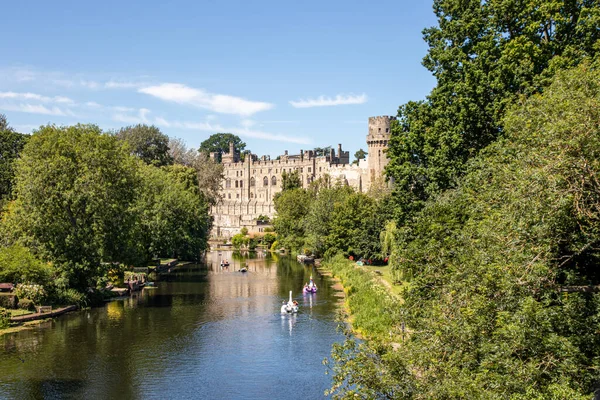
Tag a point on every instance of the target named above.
point(310, 287)
point(224, 263)
point(290, 307)
point(243, 269)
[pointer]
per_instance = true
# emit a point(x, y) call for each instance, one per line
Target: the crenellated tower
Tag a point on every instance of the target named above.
point(377, 142)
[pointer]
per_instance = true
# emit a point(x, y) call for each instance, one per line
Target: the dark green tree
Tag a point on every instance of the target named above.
point(11, 145)
point(219, 143)
point(359, 155)
point(148, 143)
point(73, 187)
point(484, 55)
point(290, 180)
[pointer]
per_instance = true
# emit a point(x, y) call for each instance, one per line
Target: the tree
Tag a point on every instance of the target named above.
point(171, 214)
point(209, 173)
point(484, 55)
point(19, 265)
point(359, 155)
point(148, 143)
point(291, 207)
point(4, 124)
point(219, 143)
point(503, 300)
point(322, 151)
point(74, 186)
point(290, 180)
point(11, 145)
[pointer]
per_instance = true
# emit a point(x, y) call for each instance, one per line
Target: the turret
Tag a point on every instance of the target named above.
point(377, 142)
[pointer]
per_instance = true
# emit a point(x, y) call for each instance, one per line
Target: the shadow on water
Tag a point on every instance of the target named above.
point(204, 331)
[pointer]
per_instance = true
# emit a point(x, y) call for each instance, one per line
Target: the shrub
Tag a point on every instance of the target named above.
point(4, 318)
point(8, 302)
point(35, 293)
point(26, 304)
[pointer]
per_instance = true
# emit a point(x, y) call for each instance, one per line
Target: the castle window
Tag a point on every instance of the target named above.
point(236, 173)
point(308, 169)
point(275, 170)
point(229, 195)
point(228, 183)
point(237, 196)
point(301, 169)
point(251, 195)
point(387, 130)
point(236, 183)
point(265, 181)
point(241, 183)
point(319, 169)
point(252, 181)
point(379, 130)
point(273, 180)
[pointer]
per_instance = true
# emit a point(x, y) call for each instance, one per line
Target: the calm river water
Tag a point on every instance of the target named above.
point(203, 333)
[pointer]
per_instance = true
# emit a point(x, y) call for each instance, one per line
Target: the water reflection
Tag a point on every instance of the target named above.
point(203, 332)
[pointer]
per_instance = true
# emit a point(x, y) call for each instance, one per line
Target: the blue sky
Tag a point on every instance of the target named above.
point(281, 75)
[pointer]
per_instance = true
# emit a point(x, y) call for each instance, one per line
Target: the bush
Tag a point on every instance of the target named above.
point(72, 297)
point(26, 304)
point(8, 302)
point(35, 293)
point(4, 318)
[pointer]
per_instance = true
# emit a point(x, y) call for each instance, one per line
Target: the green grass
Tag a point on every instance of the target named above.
point(18, 312)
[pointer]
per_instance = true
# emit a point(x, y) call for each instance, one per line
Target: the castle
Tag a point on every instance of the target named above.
point(249, 186)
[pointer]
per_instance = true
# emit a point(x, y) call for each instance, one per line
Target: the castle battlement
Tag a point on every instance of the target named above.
point(248, 187)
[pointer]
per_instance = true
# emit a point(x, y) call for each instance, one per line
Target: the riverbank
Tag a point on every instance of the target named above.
point(370, 305)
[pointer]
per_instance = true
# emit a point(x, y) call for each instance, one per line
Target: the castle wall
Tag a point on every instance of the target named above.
point(248, 187)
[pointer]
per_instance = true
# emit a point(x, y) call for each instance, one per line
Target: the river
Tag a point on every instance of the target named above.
point(204, 332)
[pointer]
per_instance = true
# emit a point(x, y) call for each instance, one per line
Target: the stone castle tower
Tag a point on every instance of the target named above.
point(377, 141)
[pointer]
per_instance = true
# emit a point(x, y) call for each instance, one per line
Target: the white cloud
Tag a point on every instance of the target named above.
point(243, 130)
point(35, 109)
point(139, 118)
point(323, 101)
point(121, 85)
point(220, 103)
point(35, 96)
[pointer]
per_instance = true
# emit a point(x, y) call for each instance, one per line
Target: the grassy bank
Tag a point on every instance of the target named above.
point(372, 309)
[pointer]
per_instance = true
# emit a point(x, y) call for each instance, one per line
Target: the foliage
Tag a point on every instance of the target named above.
point(35, 293)
point(497, 306)
point(11, 145)
point(322, 151)
point(290, 180)
point(26, 304)
point(268, 239)
point(74, 186)
point(171, 215)
point(19, 265)
point(484, 55)
point(244, 231)
point(292, 207)
point(263, 219)
point(219, 143)
point(359, 155)
point(209, 172)
point(4, 315)
point(148, 143)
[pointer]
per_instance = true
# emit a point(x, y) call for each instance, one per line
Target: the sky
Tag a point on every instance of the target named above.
point(281, 75)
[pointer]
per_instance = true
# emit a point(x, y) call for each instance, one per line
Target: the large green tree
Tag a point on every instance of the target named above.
point(208, 171)
point(484, 55)
point(171, 214)
point(219, 143)
point(148, 143)
point(503, 300)
point(11, 144)
point(74, 187)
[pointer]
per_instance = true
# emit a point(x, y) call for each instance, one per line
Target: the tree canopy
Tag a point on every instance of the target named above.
point(11, 145)
point(484, 55)
point(148, 143)
point(219, 143)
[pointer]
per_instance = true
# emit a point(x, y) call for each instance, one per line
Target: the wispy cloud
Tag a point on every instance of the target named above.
point(122, 84)
point(323, 101)
point(36, 109)
point(220, 103)
point(35, 96)
point(142, 116)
